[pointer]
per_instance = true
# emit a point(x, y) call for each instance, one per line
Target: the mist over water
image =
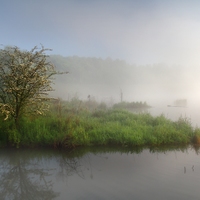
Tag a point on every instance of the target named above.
point(155, 84)
point(110, 81)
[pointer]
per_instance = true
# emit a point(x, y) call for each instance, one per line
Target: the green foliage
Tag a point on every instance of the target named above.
point(69, 127)
point(14, 137)
point(130, 105)
point(5, 127)
point(196, 137)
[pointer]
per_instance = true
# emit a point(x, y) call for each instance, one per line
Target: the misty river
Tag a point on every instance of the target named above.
point(100, 173)
point(191, 113)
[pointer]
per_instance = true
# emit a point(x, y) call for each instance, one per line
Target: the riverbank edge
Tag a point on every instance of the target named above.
point(98, 128)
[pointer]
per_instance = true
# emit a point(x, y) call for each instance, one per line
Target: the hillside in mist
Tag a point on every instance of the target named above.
point(106, 79)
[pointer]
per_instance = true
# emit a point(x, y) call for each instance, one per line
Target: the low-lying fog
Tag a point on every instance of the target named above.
point(111, 81)
point(108, 79)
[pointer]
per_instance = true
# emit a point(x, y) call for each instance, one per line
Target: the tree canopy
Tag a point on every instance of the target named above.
point(25, 81)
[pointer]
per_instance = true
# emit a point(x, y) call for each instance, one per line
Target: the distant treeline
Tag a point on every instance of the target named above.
point(105, 78)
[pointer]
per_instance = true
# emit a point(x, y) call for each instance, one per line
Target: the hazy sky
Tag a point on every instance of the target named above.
point(138, 31)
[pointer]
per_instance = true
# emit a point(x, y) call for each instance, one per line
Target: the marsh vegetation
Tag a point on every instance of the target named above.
point(75, 123)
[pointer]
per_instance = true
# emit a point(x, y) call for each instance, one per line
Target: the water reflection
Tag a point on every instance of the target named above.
point(100, 173)
point(23, 176)
point(29, 174)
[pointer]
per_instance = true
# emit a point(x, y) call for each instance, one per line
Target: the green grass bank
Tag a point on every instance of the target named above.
point(68, 128)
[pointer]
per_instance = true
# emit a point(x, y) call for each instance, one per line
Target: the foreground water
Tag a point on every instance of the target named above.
point(103, 173)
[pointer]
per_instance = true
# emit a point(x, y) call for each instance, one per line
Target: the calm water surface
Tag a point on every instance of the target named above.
point(104, 173)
